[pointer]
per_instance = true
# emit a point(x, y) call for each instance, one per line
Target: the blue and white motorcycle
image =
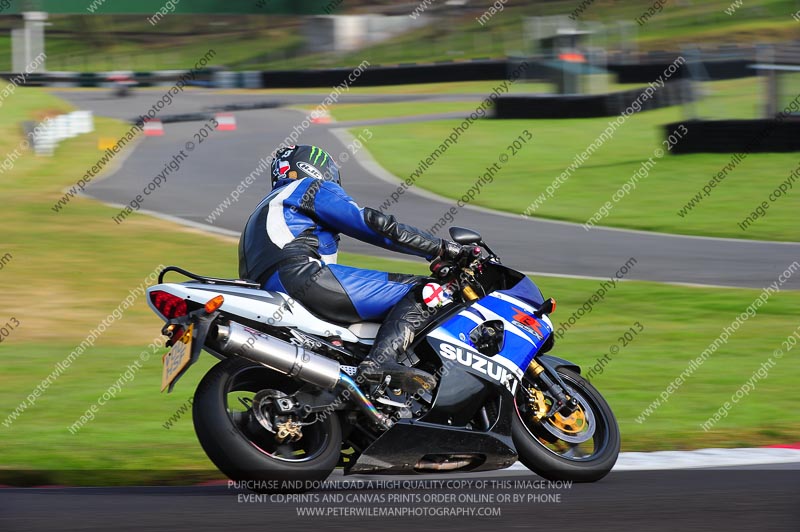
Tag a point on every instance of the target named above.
point(283, 404)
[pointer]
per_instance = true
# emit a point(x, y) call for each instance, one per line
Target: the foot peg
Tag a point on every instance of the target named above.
point(411, 380)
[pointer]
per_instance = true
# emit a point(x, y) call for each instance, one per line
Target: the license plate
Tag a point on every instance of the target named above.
point(177, 359)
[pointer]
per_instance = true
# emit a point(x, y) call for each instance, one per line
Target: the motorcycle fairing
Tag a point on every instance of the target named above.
point(524, 334)
point(400, 449)
point(458, 354)
point(467, 377)
point(524, 289)
point(259, 306)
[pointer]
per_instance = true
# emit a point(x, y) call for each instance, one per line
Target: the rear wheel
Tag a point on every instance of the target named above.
point(231, 412)
point(582, 447)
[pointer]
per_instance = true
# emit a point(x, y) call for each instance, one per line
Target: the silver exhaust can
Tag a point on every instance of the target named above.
point(237, 340)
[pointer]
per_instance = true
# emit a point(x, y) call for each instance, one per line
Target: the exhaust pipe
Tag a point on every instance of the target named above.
point(237, 340)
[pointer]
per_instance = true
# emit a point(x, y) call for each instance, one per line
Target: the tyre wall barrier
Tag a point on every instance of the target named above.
point(592, 105)
point(377, 75)
point(737, 136)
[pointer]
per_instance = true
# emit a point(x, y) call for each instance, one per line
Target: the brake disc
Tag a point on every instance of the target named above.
point(578, 427)
point(262, 403)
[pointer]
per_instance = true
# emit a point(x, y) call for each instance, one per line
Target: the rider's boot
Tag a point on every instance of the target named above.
point(393, 339)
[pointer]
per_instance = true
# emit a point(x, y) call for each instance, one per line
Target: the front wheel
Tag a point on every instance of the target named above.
point(230, 407)
point(582, 447)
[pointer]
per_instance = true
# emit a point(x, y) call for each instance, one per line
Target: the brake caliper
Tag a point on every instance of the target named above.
point(288, 430)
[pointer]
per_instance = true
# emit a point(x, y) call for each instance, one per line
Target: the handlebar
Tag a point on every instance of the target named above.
point(462, 271)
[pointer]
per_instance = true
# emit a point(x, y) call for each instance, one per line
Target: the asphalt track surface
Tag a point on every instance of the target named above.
point(217, 166)
point(700, 500)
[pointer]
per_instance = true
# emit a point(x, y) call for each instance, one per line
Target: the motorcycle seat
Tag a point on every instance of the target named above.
point(365, 330)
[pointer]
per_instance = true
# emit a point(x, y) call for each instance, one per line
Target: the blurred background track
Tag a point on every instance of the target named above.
point(214, 170)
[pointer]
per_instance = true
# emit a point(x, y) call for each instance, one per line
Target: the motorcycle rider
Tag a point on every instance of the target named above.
point(290, 244)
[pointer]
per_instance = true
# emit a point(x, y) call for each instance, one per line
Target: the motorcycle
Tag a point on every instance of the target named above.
point(284, 404)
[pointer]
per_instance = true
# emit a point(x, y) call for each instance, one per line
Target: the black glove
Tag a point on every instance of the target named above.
point(452, 251)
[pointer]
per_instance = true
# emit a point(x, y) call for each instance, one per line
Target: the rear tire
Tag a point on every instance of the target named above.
point(241, 451)
point(531, 440)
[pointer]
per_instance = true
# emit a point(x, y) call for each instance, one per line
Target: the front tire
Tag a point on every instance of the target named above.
point(243, 449)
point(553, 451)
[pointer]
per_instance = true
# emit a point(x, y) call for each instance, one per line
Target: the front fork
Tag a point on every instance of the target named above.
point(552, 384)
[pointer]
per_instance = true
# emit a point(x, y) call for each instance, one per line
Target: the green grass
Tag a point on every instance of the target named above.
point(653, 205)
point(70, 270)
point(346, 112)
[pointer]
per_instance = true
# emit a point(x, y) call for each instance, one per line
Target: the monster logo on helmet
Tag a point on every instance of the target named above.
point(298, 162)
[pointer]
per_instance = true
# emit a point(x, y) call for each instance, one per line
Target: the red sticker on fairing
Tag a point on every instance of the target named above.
point(528, 323)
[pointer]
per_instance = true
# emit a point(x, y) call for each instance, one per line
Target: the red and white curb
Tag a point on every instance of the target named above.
point(652, 461)
point(701, 458)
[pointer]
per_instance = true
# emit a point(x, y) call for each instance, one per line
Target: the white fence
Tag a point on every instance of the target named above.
point(46, 136)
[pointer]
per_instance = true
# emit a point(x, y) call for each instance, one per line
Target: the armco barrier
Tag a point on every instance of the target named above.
point(56, 79)
point(251, 79)
point(590, 105)
point(737, 136)
point(90, 79)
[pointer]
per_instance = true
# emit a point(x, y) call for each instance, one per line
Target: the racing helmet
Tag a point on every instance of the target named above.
point(298, 162)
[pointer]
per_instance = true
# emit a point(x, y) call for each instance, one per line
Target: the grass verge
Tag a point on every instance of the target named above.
point(347, 112)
